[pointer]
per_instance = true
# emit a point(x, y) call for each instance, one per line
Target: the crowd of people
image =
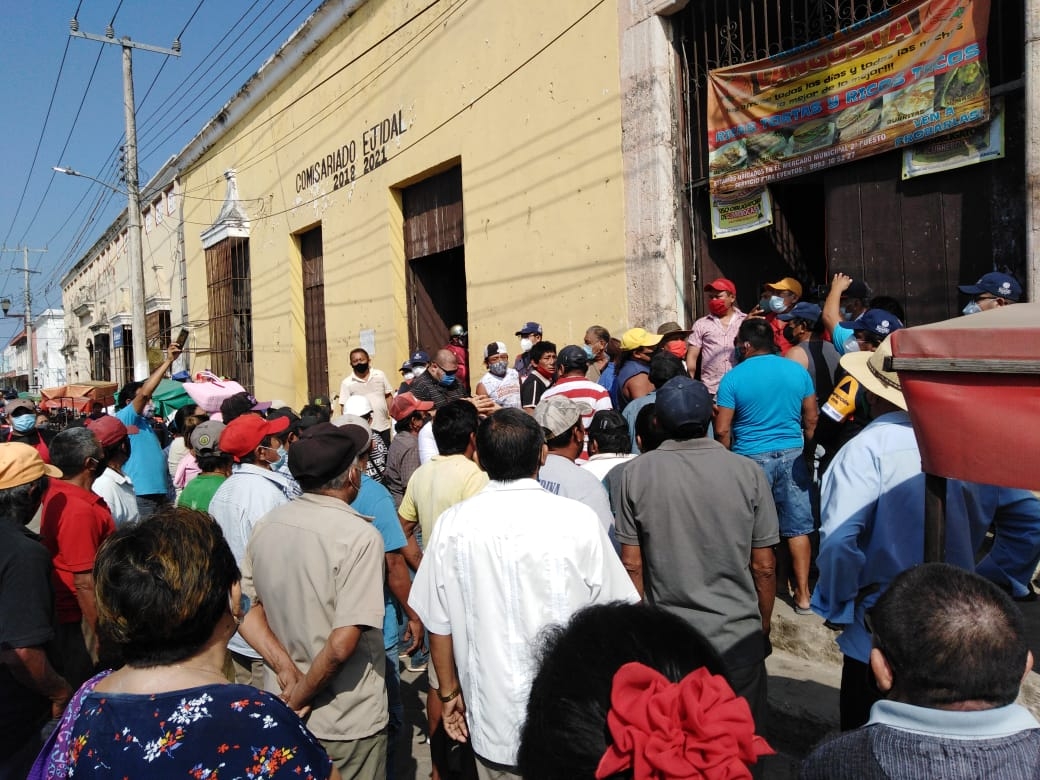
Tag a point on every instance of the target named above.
point(580, 548)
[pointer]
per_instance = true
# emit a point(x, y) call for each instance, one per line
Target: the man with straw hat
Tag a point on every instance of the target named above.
point(872, 509)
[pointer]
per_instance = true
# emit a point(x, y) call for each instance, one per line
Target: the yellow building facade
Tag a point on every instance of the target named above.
point(396, 171)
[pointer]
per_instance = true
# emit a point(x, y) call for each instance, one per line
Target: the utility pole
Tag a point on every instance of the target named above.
point(29, 342)
point(133, 210)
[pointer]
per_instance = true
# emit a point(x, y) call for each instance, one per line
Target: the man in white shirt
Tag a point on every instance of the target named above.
point(538, 559)
point(252, 490)
point(112, 484)
point(373, 384)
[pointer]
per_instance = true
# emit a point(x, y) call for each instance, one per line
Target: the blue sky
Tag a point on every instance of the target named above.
point(41, 66)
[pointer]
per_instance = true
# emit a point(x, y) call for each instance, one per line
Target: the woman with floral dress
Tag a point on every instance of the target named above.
point(168, 600)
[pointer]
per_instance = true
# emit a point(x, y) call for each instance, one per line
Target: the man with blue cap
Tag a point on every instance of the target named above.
point(992, 290)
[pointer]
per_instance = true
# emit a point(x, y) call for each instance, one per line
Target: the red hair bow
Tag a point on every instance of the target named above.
point(695, 728)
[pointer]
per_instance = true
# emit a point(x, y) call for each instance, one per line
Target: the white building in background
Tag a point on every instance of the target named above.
point(41, 364)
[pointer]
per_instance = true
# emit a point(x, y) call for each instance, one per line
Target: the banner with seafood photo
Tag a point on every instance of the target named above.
point(910, 73)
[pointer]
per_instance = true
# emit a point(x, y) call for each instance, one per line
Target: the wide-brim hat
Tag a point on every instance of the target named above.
point(868, 368)
point(671, 330)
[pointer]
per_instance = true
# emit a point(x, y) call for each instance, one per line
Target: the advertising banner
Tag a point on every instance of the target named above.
point(964, 147)
point(735, 213)
point(907, 74)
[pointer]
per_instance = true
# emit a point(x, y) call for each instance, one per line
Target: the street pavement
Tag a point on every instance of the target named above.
point(804, 678)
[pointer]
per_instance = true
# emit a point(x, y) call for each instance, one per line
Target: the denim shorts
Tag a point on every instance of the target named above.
point(789, 480)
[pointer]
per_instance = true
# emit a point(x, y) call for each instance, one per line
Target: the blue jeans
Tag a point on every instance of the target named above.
point(790, 483)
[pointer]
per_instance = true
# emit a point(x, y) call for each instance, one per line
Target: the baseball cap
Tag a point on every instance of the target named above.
point(109, 429)
point(876, 321)
point(406, 404)
point(353, 419)
point(238, 404)
point(243, 434)
point(803, 310)
point(529, 328)
point(205, 439)
point(19, 406)
point(420, 358)
point(857, 289)
point(995, 283)
point(324, 451)
point(683, 401)
point(357, 404)
point(787, 283)
point(607, 421)
point(721, 285)
point(21, 464)
point(406, 366)
point(321, 400)
point(633, 338)
point(558, 414)
point(495, 348)
point(572, 356)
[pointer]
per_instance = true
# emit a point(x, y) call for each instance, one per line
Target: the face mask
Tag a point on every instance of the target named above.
point(498, 368)
point(43, 426)
point(764, 304)
point(677, 348)
point(846, 313)
point(243, 607)
point(789, 334)
point(419, 370)
point(851, 345)
point(149, 410)
point(548, 373)
point(971, 308)
point(588, 352)
point(361, 368)
point(282, 455)
point(447, 380)
point(407, 375)
point(525, 345)
point(24, 423)
point(717, 306)
point(777, 303)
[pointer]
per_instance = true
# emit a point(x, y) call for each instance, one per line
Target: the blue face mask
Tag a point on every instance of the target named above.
point(777, 304)
point(282, 455)
point(24, 423)
point(971, 308)
point(447, 380)
point(588, 352)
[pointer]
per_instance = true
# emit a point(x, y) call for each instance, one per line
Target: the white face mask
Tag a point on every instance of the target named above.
point(525, 345)
point(419, 370)
point(408, 375)
point(851, 345)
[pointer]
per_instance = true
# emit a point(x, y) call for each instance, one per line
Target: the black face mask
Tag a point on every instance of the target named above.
point(361, 368)
point(100, 468)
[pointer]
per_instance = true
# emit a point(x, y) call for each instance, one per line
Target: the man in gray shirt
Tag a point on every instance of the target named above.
point(697, 526)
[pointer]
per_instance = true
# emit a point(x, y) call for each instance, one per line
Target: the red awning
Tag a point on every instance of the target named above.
point(972, 385)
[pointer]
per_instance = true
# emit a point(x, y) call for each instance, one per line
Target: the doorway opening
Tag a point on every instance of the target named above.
point(435, 257)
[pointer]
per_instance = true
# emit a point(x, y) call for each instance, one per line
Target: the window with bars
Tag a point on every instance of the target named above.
point(314, 312)
point(100, 351)
point(230, 310)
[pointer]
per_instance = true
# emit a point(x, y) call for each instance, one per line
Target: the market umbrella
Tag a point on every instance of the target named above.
point(170, 396)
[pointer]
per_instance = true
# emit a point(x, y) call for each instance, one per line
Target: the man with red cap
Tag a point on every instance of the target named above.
point(252, 490)
point(410, 415)
point(711, 339)
point(113, 485)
